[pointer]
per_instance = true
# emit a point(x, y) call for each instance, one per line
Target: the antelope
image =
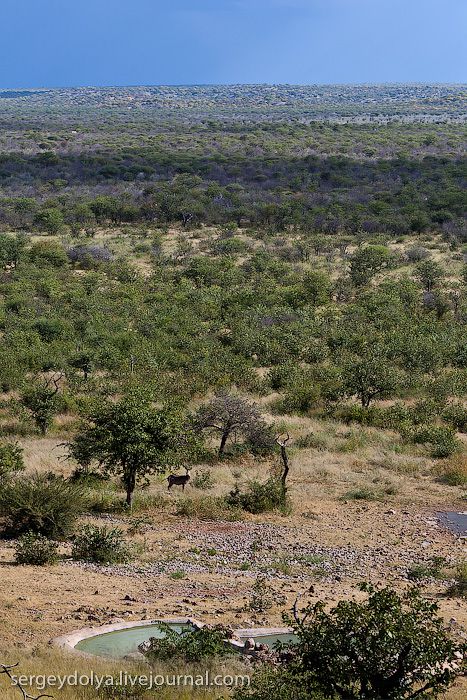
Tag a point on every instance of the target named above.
point(175, 480)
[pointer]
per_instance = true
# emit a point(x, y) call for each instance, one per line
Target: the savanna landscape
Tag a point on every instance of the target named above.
point(262, 292)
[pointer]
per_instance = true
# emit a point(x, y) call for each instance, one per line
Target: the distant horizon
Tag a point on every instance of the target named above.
point(228, 84)
point(112, 43)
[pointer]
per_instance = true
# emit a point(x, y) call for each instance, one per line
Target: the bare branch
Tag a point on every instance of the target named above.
point(6, 670)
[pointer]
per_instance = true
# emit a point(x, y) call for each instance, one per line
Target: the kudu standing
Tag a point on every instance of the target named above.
point(175, 480)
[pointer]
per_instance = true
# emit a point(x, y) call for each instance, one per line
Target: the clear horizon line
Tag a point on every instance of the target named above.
point(234, 84)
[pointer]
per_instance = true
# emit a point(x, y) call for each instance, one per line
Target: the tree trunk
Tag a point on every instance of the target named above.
point(225, 435)
point(285, 461)
point(130, 483)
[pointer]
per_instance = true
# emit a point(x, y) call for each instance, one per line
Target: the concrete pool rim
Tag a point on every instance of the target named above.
point(68, 642)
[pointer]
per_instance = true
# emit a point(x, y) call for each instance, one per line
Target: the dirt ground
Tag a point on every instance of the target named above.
point(206, 568)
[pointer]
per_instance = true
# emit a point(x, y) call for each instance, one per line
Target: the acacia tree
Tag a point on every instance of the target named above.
point(369, 377)
point(429, 273)
point(367, 262)
point(132, 438)
point(388, 647)
point(227, 415)
point(42, 400)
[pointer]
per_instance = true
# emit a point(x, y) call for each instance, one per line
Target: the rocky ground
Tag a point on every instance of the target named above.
point(207, 569)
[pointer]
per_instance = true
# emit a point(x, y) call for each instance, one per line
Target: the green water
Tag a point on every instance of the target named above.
point(118, 644)
point(271, 639)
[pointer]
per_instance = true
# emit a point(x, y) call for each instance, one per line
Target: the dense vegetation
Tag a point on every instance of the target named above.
point(311, 249)
point(388, 647)
point(188, 274)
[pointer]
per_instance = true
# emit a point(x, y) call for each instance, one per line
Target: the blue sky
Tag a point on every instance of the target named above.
point(142, 42)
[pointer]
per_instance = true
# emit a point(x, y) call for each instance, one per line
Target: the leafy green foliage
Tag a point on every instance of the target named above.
point(370, 376)
point(260, 498)
point(39, 504)
point(102, 545)
point(43, 401)
point(11, 459)
point(203, 480)
point(132, 438)
point(367, 261)
point(35, 549)
point(193, 646)
point(442, 440)
point(388, 647)
point(263, 595)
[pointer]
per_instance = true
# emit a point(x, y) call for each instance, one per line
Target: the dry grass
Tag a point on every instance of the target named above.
point(51, 662)
point(453, 471)
point(42, 603)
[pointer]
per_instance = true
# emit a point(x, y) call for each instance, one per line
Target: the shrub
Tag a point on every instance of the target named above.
point(115, 691)
point(89, 256)
point(389, 647)
point(260, 498)
point(459, 587)
point(190, 645)
point(41, 504)
point(281, 375)
point(425, 411)
point(441, 438)
point(203, 480)
point(313, 441)
point(263, 595)
point(454, 471)
point(298, 398)
point(355, 413)
point(88, 477)
point(11, 459)
point(102, 545)
point(36, 550)
point(416, 253)
point(361, 494)
point(270, 683)
point(106, 501)
point(456, 415)
point(430, 569)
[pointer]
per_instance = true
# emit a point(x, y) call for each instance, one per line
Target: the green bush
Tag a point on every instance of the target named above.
point(41, 504)
point(281, 375)
point(442, 440)
point(269, 683)
point(203, 480)
point(430, 569)
point(387, 647)
point(36, 550)
point(106, 500)
point(355, 413)
point(313, 441)
point(453, 472)
point(260, 498)
point(459, 587)
point(11, 459)
point(362, 494)
point(425, 411)
point(191, 646)
point(102, 545)
point(263, 595)
point(88, 477)
point(298, 398)
point(456, 415)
